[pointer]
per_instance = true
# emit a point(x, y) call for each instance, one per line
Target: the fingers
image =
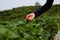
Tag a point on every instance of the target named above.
point(30, 16)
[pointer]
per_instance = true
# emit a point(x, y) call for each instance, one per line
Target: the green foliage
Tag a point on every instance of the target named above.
point(13, 26)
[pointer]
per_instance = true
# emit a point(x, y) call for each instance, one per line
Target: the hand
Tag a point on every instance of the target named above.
point(30, 16)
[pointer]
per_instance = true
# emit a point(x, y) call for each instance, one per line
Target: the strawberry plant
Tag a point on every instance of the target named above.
point(13, 25)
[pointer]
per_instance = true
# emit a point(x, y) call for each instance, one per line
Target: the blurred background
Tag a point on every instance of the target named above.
point(8, 4)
